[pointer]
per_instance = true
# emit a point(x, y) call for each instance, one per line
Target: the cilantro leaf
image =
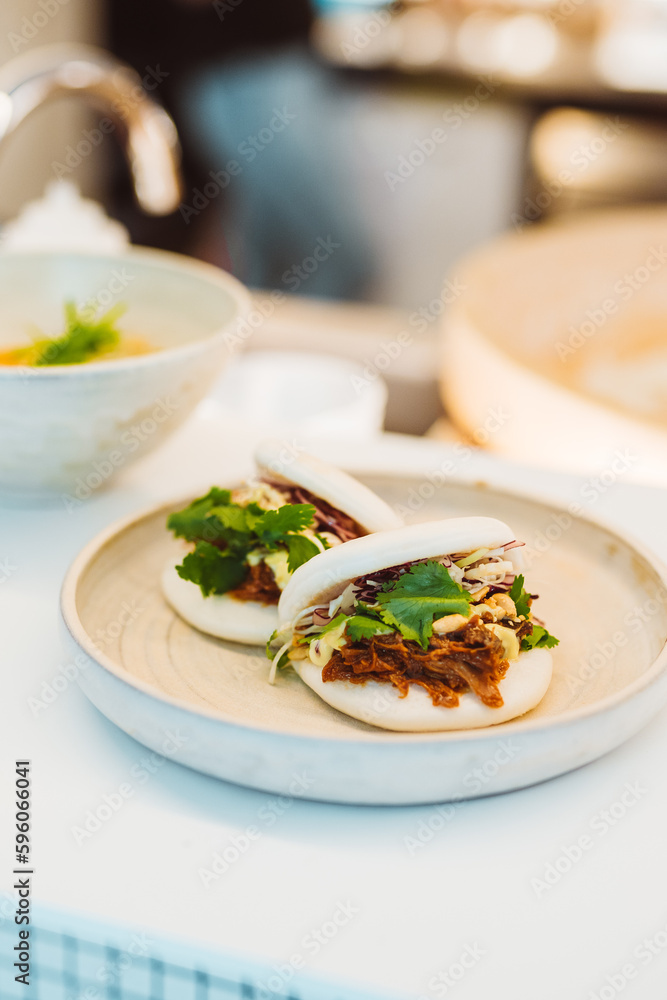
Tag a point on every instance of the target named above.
point(284, 661)
point(424, 593)
point(356, 627)
point(269, 643)
point(367, 610)
point(329, 627)
point(362, 627)
point(190, 523)
point(539, 639)
point(214, 571)
point(84, 338)
point(237, 530)
point(520, 597)
point(232, 516)
point(300, 550)
point(275, 524)
point(274, 640)
point(277, 639)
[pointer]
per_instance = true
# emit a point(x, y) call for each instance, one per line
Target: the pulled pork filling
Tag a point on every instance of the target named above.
point(259, 585)
point(327, 517)
point(469, 659)
point(451, 624)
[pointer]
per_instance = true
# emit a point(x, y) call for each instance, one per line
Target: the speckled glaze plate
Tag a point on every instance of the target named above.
point(207, 704)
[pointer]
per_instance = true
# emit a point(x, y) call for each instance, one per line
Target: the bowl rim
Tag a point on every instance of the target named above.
point(165, 260)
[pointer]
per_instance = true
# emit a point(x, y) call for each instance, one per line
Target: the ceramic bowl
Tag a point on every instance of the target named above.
point(320, 396)
point(65, 430)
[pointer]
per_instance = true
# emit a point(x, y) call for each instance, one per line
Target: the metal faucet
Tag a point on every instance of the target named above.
point(146, 132)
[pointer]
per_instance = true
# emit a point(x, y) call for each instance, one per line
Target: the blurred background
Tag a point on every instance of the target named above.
point(354, 151)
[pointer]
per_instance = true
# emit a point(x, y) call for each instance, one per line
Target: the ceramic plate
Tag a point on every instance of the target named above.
point(207, 704)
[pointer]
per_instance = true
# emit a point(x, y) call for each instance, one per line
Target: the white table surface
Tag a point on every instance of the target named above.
point(469, 889)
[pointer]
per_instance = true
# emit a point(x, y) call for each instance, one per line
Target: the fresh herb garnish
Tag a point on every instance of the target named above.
point(299, 550)
point(225, 533)
point(191, 523)
point(362, 627)
point(357, 627)
point(522, 599)
point(418, 597)
point(410, 605)
point(269, 643)
point(275, 524)
point(215, 572)
point(539, 639)
point(329, 627)
point(85, 339)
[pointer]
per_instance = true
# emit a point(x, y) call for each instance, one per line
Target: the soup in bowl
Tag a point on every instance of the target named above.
point(71, 416)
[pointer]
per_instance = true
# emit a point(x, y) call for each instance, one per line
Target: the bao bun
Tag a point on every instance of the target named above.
point(219, 615)
point(326, 577)
point(249, 621)
point(277, 462)
point(379, 704)
point(522, 687)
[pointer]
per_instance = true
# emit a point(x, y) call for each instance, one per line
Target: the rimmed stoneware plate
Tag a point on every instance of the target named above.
point(207, 704)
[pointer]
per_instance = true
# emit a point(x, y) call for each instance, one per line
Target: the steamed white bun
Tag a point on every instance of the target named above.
point(379, 704)
point(328, 482)
point(220, 615)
